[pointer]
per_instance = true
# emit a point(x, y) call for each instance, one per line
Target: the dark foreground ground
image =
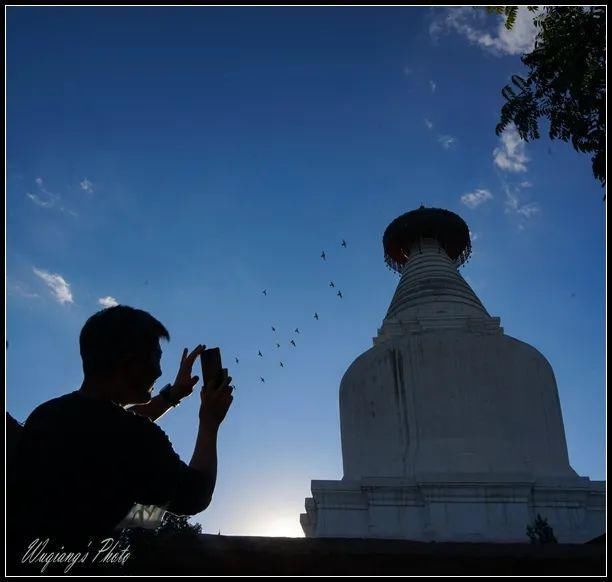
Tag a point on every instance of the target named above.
point(211, 555)
point(223, 555)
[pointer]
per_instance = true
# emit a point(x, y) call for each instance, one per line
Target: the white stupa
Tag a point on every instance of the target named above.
point(451, 430)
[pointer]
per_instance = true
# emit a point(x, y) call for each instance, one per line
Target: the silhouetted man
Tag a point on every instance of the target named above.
point(85, 459)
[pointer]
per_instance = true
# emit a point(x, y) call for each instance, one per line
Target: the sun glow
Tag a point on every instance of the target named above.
point(281, 526)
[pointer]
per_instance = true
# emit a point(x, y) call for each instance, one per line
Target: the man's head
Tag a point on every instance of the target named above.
point(120, 346)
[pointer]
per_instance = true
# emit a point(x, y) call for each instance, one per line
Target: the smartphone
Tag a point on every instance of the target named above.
point(212, 368)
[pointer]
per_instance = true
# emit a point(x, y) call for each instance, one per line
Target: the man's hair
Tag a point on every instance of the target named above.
point(113, 333)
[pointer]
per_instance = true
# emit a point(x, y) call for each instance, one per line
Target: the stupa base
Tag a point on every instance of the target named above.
point(478, 510)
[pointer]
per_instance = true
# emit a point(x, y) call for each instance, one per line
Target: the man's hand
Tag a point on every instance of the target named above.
point(184, 383)
point(216, 400)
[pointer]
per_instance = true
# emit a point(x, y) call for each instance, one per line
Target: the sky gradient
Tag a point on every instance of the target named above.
point(181, 160)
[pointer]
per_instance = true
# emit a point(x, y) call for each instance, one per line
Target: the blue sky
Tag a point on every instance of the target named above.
point(181, 160)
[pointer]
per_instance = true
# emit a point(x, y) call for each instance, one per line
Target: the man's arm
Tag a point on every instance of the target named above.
point(204, 461)
point(216, 401)
point(155, 408)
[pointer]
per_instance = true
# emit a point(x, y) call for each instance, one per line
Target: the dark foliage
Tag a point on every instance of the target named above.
point(565, 83)
point(159, 549)
point(540, 532)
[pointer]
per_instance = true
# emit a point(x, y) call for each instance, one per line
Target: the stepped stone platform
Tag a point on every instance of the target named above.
point(228, 555)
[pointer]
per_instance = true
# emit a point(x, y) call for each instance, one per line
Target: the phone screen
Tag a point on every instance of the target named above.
point(211, 365)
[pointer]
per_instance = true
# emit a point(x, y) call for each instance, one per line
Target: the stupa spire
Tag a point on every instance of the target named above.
point(431, 286)
point(426, 246)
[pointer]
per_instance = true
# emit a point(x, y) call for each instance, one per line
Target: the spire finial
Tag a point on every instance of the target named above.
point(411, 228)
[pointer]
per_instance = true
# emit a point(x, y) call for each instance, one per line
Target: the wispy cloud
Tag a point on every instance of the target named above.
point(428, 123)
point(476, 198)
point(514, 206)
point(18, 288)
point(46, 199)
point(474, 236)
point(510, 154)
point(41, 185)
point(446, 141)
point(39, 201)
point(86, 185)
point(528, 210)
point(476, 26)
point(108, 301)
point(68, 211)
point(58, 285)
point(433, 86)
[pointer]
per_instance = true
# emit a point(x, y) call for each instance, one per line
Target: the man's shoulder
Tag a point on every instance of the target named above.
point(74, 411)
point(50, 408)
point(71, 406)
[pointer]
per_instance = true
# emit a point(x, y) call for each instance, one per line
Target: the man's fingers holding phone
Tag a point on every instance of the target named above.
point(224, 381)
point(216, 400)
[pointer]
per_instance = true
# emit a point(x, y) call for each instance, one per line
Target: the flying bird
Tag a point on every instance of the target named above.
point(281, 364)
point(339, 294)
point(260, 354)
point(297, 330)
point(293, 343)
point(343, 243)
point(316, 316)
point(323, 255)
point(265, 291)
point(278, 345)
point(237, 361)
point(273, 328)
point(262, 379)
point(331, 284)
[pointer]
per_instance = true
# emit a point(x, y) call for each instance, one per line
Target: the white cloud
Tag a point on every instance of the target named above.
point(510, 155)
point(108, 301)
point(17, 288)
point(526, 184)
point(521, 38)
point(514, 206)
point(58, 285)
point(39, 201)
point(44, 198)
point(428, 123)
point(472, 24)
point(68, 211)
point(512, 201)
point(446, 141)
point(528, 210)
point(86, 185)
point(433, 86)
point(476, 198)
point(436, 28)
point(41, 187)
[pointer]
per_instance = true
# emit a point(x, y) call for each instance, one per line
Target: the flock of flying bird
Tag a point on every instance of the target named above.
point(297, 330)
